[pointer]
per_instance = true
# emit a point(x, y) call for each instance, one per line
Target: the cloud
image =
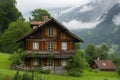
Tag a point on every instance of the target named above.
point(116, 19)
point(28, 5)
point(74, 24)
point(86, 8)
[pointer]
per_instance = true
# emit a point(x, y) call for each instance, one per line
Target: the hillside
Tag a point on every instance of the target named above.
point(4, 62)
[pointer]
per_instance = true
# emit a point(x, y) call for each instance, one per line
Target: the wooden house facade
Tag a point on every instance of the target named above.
point(49, 45)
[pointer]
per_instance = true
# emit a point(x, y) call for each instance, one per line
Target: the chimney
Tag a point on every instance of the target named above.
point(98, 58)
point(45, 18)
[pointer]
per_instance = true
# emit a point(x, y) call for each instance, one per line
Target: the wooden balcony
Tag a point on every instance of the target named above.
point(56, 54)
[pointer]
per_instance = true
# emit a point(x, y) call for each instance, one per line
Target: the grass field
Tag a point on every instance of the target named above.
point(4, 62)
point(4, 71)
point(86, 76)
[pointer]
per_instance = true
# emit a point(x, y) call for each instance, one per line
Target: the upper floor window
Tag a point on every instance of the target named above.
point(50, 32)
point(35, 45)
point(50, 46)
point(64, 46)
point(34, 27)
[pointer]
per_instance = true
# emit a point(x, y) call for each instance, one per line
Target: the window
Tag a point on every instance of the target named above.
point(50, 32)
point(35, 45)
point(57, 62)
point(64, 46)
point(34, 27)
point(35, 62)
point(50, 46)
point(50, 62)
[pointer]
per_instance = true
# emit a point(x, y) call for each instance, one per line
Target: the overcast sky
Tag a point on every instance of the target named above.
point(28, 5)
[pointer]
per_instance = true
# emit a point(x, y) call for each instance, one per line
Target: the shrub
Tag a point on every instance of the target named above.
point(26, 76)
point(43, 71)
point(17, 57)
point(76, 64)
point(118, 70)
point(17, 76)
point(74, 72)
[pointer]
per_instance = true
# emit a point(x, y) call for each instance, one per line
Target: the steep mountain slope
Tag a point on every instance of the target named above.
point(89, 12)
point(85, 16)
point(107, 31)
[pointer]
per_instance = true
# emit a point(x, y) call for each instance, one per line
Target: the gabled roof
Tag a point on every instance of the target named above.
point(104, 64)
point(36, 22)
point(55, 21)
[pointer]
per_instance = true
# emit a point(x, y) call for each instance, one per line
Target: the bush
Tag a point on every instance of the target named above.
point(118, 70)
point(17, 57)
point(43, 71)
point(74, 72)
point(77, 64)
point(26, 76)
point(17, 76)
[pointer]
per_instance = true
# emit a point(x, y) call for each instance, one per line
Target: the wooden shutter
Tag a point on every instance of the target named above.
point(46, 32)
point(55, 31)
point(46, 45)
point(70, 45)
point(30, 45)
point(40, 45)
point(59, 45)
point(55, 45)
point(59, 62)
point(45, 62)
point(26, 45)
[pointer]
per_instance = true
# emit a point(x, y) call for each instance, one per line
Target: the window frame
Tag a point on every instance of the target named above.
point(50, 31)
point(50, 62)
point(50, 46)
point(35, 45)
point(64, 46)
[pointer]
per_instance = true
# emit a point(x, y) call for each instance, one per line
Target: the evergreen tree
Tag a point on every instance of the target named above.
point(38, 14)
point(90, 53)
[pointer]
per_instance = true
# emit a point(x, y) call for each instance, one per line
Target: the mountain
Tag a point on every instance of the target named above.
point(85, 16)
point(88, 12)
point(107, 31)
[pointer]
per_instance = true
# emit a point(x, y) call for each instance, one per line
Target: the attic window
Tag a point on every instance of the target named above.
point(50, 32)
point(34, 27)
point(104, 64)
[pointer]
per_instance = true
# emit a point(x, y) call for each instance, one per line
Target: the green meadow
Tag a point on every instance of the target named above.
point(87, 75)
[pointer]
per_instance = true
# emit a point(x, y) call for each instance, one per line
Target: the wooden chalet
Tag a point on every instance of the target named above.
point(103, 65)
point(49, 39)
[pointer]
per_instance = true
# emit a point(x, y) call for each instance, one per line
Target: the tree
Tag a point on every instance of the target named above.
point(15, 31)
point(17, 58)
point(102, 51)
point(38, 14)
point(76, 64)
point(115, 59)
point(8, 13)
point(77, 46)
point(90, 53)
